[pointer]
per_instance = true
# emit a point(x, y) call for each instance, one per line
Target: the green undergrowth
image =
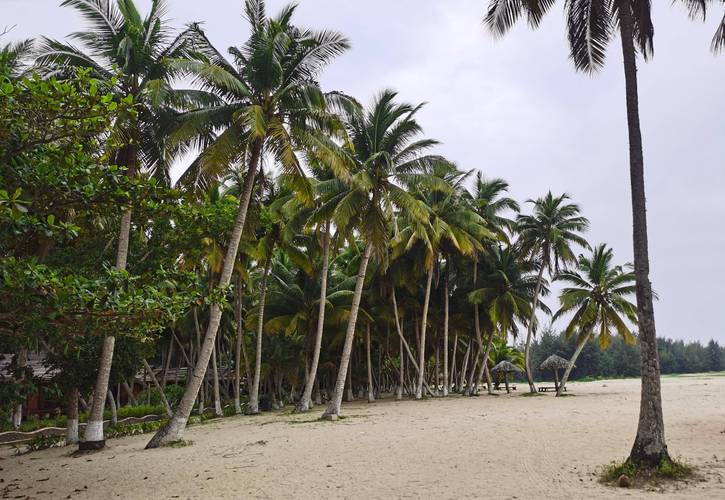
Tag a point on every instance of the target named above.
point(633, 475)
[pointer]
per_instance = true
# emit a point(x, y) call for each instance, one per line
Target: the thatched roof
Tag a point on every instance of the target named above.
point(506, 367)
point(554, 362)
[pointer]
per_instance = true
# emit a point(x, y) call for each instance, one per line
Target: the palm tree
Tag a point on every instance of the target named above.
point(547, 236)
point(134, 51)
point(597, 296)
point(490, 202)
point(591, 26)
point(13, 57)
point(508, 297)
point(383, 152)
point(451, 226)
point(270, 98)
point(698, 8)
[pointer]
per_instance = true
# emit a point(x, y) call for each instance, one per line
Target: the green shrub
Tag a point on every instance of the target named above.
point(44, 442)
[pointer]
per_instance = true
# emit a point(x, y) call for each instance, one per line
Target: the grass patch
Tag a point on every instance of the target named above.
point(627, 474)
point(181, 443)
point(532, 394)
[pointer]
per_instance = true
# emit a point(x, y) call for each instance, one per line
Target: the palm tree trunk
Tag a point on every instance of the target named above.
point(452, 376)
point(486, 353)
point(158, 387)
point(399, 328)
point(167, 362)
point(71, 429)
point(650, 447)
point(93, 435)
point(238, 346)
point(371, 394)
point(530, 329)
point(174, 430)
point(399, 392)
point(333, 408)
point(254, 390)
point(304, 404)
point(464, 369)
point(215, 373)
point(423, 326)
point(215, 378)
point(446, 301)
point(113, 407)
point(572, 361)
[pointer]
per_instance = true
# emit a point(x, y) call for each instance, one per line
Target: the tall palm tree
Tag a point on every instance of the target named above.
point(490, 202)
point(597, 296)
point(384, 151)
point(547, 235)
point(270, 98)
point(119, 43)
point(591, 25)
point(451, 227)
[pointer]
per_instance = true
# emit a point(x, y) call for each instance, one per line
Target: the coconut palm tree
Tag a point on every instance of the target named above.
point(591, 25)
point(13, 58)
point(490, 202)
point(508, 295)
point(698, 9)
point(384, 151)
point(270, 98)
point(547, 235)
point(451, 227)
point(597, 296)
point(133, 51)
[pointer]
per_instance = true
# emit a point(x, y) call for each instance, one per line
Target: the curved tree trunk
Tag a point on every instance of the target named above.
point(650, 447)
point(174, 430)
point(304, 404)
point(254, 390)
point(371, 389)
point(71, 429)
point(423, 327)
point(333, 408)
point(530, 329)
point(572, 361)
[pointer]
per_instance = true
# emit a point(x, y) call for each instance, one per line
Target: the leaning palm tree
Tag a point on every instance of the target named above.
point(547, 236)
point(597, 296)
point(382, 153)
point(271, 96)
point(133, 53)
point(591, 26)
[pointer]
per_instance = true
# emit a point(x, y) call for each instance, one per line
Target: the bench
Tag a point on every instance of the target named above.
point(548, 388)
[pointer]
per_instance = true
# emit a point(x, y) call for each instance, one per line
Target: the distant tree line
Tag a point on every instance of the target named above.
point(622, 360)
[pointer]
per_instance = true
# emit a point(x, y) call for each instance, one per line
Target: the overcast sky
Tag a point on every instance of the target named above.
point(515, 108)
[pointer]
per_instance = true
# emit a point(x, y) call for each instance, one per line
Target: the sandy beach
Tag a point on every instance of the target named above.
point(497, 447)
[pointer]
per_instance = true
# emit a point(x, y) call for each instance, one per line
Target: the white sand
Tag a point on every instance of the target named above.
point(502, 447)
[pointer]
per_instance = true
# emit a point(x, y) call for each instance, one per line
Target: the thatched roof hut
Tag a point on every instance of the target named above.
point(554, 362)
point(506, 367)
